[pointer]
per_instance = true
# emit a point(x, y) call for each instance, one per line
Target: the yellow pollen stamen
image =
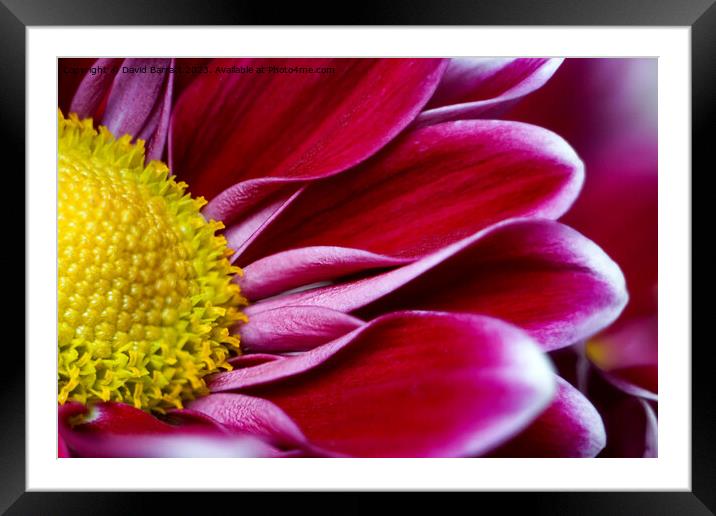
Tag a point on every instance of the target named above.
point(145, 297)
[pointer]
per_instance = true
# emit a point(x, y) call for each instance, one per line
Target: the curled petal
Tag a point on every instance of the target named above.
point(430, 188)
point(538, 274)
point(472, 87)
point(298, 267)
point(570, 427)
point(230, 127)
point(294, 328)
point(408, 384)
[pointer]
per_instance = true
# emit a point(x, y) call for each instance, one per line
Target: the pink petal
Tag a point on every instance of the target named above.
point(409, 384)
point(230, 127)
point(473, 86)
point(294, 328)
point(139, 104)
point(298, 267)
point(252, 359)
point(570, 427)
point(537, 274)
point(431, 188)
point(251, 416)
point(93, 90)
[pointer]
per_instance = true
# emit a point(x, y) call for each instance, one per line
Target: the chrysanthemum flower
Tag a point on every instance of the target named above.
point(403, 269)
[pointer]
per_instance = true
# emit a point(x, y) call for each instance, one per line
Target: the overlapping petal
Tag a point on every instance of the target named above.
point(90, 96)
point(119, 430)
point(408, 384)
point(629, 356)
point(303, 266)
point(538, 274)
point(136, 100)
point(432, 187)
point(294, 328)
point(231, 127)
point(474, 87)
point(570, 427)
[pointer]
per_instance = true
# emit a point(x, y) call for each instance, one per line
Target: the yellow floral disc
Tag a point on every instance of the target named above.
point(145, 297)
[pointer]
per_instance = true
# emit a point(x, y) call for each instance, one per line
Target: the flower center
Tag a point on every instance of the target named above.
point(145, 297)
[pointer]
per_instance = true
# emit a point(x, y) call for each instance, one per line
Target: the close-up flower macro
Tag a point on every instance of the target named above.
point(357, 257)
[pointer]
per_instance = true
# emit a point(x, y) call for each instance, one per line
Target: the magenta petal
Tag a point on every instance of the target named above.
point(537, 274)
point(62, 450)
point(409, 384)
point(432, 187)
point(294, 328)
point(93, 90)
point(298, 267)
point(570, 427)
point(230, 127)
point(472, 87)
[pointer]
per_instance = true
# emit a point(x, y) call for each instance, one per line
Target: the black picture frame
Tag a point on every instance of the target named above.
point(700, 15)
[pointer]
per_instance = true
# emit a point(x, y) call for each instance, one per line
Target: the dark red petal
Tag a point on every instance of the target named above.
point(537, 274)
point(230, 127)
point(409, 384)
point(430, 188)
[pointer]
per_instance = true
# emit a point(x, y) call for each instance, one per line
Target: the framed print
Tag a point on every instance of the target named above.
point(441, 250)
